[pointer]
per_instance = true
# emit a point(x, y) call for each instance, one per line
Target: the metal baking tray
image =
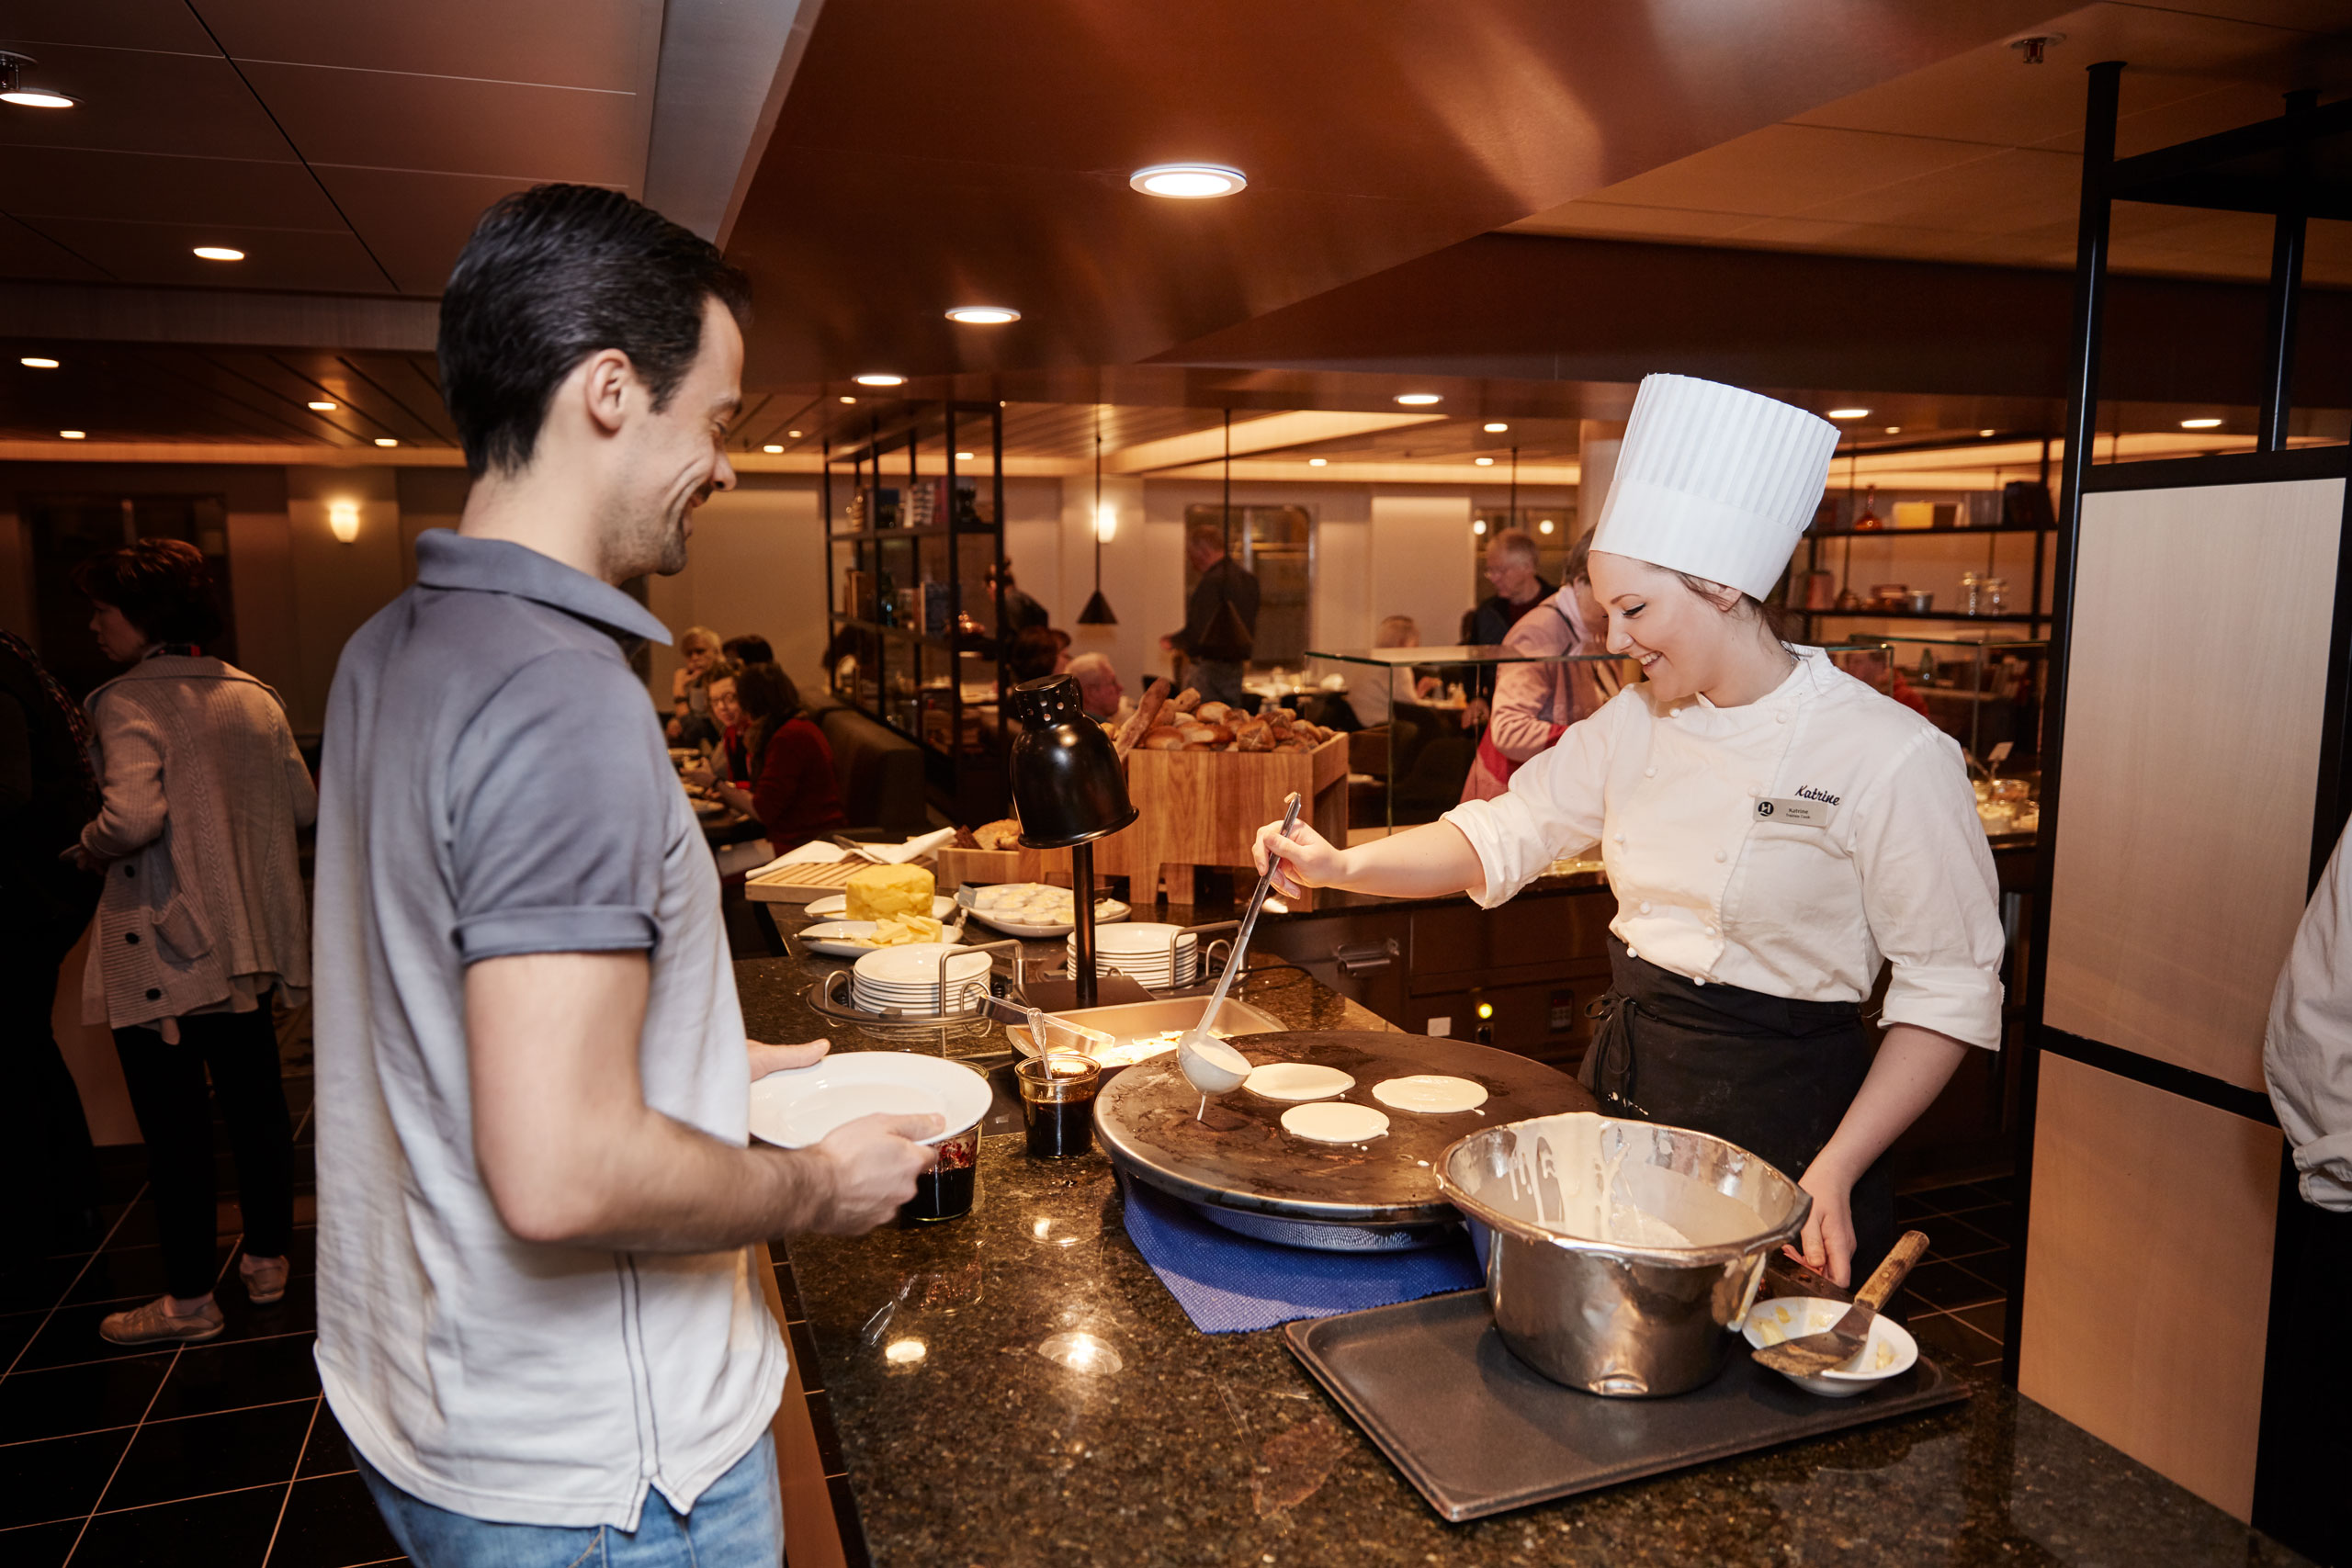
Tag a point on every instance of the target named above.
point(1477, 1431)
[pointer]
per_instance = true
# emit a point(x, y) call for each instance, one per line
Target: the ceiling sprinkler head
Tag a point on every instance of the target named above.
point(2035, 47)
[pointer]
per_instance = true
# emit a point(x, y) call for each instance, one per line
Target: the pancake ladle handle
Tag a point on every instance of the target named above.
point(1250, 919)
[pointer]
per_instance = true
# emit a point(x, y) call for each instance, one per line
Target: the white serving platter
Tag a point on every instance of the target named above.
point(793, 1109)
point(837, 906)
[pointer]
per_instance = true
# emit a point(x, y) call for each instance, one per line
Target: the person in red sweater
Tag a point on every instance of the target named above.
point(793, 794)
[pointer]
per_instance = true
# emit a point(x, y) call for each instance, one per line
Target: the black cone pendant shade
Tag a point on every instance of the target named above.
point(1067, 782)
point(1098, 609)
point(1229, 639)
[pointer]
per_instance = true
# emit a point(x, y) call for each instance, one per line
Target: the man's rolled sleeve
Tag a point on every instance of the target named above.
point(562, 817)
point(1932, 896)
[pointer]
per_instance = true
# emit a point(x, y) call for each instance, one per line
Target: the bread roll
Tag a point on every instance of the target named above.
point(1185, 701)
point(1197, 734)
point(1163, 740)
point(1212, 713)
point(1253, 738)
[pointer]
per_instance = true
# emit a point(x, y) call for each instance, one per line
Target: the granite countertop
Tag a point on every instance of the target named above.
point(964, 1444)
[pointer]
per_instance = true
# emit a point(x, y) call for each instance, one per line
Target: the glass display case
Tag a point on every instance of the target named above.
point(1988, 693)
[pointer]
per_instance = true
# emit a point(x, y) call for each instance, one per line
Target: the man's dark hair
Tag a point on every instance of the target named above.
point(551, 276)
point(162, 586)
point(748, 649)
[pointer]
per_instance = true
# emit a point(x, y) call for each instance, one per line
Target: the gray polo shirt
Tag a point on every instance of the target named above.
point(495, 783)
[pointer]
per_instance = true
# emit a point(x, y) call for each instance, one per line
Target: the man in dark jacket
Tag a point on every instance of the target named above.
point(47, 792)
point(1519, 588)
point(1216, 659)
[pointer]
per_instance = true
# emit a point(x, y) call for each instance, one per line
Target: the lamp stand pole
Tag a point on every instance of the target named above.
point(1081, 865)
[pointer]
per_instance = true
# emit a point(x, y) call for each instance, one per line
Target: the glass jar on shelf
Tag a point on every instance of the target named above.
point(1972, 594)
point(1995, 593)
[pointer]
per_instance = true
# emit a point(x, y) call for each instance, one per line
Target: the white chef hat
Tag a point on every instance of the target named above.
point(1716, 481)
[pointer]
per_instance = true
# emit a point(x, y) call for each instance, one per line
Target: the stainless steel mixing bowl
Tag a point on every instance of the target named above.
point(1607, 1316)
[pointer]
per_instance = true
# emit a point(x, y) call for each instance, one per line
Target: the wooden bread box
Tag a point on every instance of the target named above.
point(1205, 807)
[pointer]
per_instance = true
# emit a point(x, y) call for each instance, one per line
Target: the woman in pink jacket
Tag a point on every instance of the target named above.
point(1534, 703)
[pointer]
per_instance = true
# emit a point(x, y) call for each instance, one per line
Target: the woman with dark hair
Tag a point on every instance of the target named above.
point(793, 792)
point(202, 921)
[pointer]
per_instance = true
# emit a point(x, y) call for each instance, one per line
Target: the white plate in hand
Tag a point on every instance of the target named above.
point(844, 938)
point(836, 908)
point(796, 1108)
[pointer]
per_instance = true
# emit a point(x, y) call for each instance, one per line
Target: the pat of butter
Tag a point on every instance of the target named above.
point(878, 892)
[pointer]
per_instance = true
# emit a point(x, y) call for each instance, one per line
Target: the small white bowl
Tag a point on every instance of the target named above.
point(1793, 1317)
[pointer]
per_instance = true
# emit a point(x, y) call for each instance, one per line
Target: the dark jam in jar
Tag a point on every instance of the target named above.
point(1061, 1128)
point(945, 1191)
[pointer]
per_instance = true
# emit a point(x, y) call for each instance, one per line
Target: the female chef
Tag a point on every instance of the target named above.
point(1774, 831)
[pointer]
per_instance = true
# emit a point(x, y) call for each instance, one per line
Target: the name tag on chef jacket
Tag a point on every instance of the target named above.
point(1796, 812)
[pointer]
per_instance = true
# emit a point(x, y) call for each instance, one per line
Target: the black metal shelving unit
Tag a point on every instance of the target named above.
point(916, 653)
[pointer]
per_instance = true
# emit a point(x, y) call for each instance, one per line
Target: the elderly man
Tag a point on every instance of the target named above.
point(1098, 688)
point(1511, 567)
point(537, 1320)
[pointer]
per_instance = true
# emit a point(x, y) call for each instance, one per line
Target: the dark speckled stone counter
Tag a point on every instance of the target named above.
point(964, 1444)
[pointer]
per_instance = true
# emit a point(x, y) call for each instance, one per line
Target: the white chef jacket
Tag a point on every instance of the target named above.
point(2307, 1050)
point(1711, 886)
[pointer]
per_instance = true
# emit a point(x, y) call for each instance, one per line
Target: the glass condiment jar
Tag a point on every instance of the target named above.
point(1868, 523)
point(1995, 593)
point(1972, 594)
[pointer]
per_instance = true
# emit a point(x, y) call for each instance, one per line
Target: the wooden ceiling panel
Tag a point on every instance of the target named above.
point(382, 120)
point(1792, 168)
point(138, 101)
point(57, 182)
point(27, 253)
point(569, 43)
point(307, 260)
point(166, 25)
point(414, 221)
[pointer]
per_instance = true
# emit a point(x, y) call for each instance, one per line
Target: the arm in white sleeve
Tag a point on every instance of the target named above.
point(1555, 804)
point(1930, 893)
point(2307, 1050)
point(131, 756)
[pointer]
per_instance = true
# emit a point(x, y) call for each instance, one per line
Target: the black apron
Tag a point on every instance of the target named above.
point(1772, 1075)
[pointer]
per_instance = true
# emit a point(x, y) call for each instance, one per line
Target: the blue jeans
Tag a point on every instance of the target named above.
point(737, 1523)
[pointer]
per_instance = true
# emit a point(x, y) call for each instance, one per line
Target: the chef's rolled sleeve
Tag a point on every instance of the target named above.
point(1554, 805)
point(561, 824)
point(1931, 896)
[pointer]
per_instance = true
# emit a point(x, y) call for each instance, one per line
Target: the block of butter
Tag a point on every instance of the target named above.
point(880, 891)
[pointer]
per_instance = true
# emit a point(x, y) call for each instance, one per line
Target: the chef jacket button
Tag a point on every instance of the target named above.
point(1630, 953)
point(131, 937)
point(1721, 856)
point(1712, 931)
point(130, 871)
point(1645, 905)
point(1620, 838)
point(1649, 772)
point(1782, 717)
point(154, 995)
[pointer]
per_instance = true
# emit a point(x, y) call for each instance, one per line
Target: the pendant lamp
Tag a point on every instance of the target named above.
point(1229, 640)
point(1098, 609)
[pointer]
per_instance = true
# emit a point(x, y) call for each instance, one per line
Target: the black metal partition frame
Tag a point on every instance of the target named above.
point(2294, 167)
point(965, 781)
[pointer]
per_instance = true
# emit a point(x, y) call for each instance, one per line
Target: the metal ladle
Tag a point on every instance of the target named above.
point(1209, 1064)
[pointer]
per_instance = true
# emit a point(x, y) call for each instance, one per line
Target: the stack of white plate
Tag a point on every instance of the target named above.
point(906, 979)
point(1139, 950)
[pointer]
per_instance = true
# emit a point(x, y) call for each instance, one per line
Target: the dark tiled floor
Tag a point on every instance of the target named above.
point(1957, 1296)
point(223, 1453)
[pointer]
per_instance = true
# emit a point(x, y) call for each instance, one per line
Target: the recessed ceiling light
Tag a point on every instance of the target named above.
point(983, 315)
point(386, 440)
point(963, 456)
point(75, 434)
point(881, 378)
point(1544, 526)
point(847, 398)
point(321, 405)
point(1484, 462)
point(770, 448)
point(1317, 462)
point(1895, 429)
point(35, 361)
point(33, 98)
point(2199, 423)
point(1188, 181)
point(1418, 399)
point(1479, 526)
point(1496, 427)
point(792, 436)
point(1849, 413)
point(219, 253)
point(1987, 433)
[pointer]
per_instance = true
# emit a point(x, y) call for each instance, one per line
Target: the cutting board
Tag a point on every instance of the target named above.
point(1477, 1431)
point(802, 883)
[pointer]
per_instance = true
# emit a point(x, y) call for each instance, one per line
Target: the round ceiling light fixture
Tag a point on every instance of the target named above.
point(1986, 434)
point(1317, 462)
point(772, 449)
point(75, 434)
point(220, 252)
point(386, 440)
point(792, 436)
point(14, 91)
point(984, 315)
point(38, 362)
point(1484, 462)
point(1849, 413)
point(880, 378)
point(963, 456)
point(1495, 427)
point(1895, 429)
point(1418, 399)
point(1189, 181)
point(2200, 425)
point(320, 405)
point(1544, 526)
point(847, 398)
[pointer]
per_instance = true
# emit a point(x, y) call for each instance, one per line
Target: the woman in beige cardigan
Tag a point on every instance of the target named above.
point(201, 923)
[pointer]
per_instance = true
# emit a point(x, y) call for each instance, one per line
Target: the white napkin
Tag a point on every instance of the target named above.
point(816, 851)
point(899, 854)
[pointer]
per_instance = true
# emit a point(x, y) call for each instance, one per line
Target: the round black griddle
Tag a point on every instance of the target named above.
point(1235, 1162)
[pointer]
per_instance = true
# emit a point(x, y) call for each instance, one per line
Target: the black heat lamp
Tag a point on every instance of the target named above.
point(1068, 789)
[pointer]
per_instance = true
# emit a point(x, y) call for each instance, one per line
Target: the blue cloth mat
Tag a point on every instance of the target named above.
point(1230, 1284)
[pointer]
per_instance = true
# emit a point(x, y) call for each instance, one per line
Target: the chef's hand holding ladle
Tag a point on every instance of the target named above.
point(1300, 858)
point(1208, 1063)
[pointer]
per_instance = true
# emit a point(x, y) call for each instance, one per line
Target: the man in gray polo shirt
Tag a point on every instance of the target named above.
point(537, 1321)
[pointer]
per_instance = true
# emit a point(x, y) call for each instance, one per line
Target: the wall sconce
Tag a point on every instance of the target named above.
point(1107, 522)
point(342, 521)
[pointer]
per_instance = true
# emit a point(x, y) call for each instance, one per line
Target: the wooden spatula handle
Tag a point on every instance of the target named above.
point(1888, 1276)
